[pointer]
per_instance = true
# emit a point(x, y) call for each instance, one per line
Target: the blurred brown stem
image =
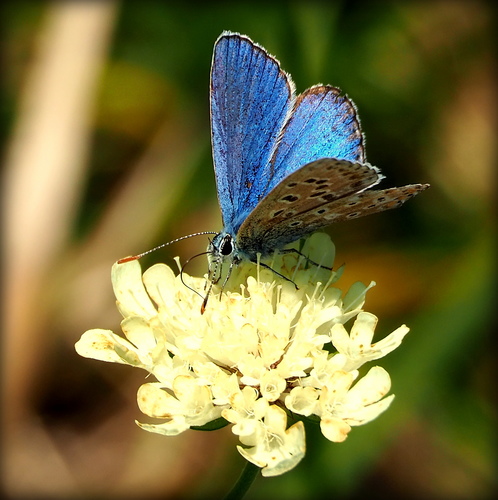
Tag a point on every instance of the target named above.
point(44, 171)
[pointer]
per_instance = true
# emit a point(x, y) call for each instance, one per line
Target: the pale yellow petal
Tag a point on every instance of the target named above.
point(157, 402)
point(139, 332)
point(171, 428)
point(105, 345)
point(370, 388)
point(302, 400)
point(334, 429)
point(132, 299)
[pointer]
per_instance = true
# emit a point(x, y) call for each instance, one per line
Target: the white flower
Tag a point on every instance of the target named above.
point(357, 347)
point(275, 448)
point(190, 404)
point(341, 406)
point(261, 351)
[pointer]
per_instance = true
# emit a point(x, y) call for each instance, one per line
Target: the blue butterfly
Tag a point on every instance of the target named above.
point(285, 165)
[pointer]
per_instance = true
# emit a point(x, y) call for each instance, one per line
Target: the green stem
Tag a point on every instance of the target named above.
point(246, 478)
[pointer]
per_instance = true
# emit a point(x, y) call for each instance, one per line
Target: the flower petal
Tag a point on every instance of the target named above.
point(334, 429)
point(279, 449)
point(105, 345)
point(132, 299)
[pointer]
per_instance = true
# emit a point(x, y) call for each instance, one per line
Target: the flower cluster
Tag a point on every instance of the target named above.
point(262, 352)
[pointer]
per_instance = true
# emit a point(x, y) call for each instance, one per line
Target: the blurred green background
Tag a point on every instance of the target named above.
point(105, 121)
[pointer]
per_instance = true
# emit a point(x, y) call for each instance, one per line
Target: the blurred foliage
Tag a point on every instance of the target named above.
point(423, 78)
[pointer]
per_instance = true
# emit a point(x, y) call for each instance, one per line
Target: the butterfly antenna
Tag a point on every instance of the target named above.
point(181, 273)
point(211, 280)
point(140, 255)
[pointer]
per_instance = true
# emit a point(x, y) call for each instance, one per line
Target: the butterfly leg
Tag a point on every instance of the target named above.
point(214, 280)
point(293, 250)
point(262, 264)
point(234, 263)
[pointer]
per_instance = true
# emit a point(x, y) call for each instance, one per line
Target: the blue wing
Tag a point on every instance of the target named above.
point(251, 98)
point(323, 124)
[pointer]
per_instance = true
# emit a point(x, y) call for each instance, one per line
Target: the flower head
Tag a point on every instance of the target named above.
point(261, 352)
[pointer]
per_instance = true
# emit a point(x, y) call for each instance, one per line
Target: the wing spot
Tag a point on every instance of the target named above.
point(321, 211)
point(328, 197)
point(352, 215)
point(321, 181)
point(331, 166)
point(292, 184)
point(319, 193)
point(295, 223)
point(277, 213)
point(381, 198)
point(310, 180)
point(290, 198)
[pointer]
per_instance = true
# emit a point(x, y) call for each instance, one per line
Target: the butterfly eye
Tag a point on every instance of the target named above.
point(226, 246)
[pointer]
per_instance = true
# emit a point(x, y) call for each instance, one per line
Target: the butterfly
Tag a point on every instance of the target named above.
point(285, 165)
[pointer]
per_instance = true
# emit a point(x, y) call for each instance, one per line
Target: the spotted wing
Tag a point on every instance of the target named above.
point(313, 197)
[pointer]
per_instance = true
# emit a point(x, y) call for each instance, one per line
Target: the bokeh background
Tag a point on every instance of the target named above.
point(105, 122)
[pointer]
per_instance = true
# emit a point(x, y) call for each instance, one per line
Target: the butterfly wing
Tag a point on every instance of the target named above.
point(313, 197)
point(251, 98)
point(323, 124)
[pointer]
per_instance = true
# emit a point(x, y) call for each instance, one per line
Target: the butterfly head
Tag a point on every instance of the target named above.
point(223, 256)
